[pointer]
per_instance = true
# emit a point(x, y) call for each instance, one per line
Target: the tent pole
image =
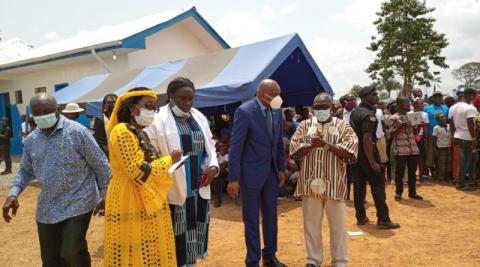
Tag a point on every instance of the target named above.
point(105, 66)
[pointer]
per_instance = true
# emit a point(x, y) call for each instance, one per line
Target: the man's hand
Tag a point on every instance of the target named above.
point(281, 178)
point(376, 167)
point(10, 203)
point(209, 175)
point(233, 189)
point(317, 140)
point(100, 209)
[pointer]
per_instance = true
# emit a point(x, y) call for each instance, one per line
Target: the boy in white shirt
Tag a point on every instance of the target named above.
point(442, 138)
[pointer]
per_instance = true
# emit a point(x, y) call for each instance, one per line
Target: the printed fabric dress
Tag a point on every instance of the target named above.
point(191, 220)
point(138, 227)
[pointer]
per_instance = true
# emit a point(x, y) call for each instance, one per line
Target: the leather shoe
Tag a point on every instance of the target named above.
point(387, 225)
point(398, 197)
point(273, 263)
point(310, 265)
point(416, 196)
point(363, 222)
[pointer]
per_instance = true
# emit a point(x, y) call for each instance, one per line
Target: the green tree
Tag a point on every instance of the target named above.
point(355, 89)
point(468, 74)
point(389, 85)
point(406, 44)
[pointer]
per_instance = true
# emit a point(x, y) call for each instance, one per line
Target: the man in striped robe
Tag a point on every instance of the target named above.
point(325, 145)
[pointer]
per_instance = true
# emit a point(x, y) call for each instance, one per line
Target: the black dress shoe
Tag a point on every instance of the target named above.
point(310, 265)
point(273, 263)
point(387, 225)
point(398, 197)
point(416, 196)
point(6, 172)
point(363, 222)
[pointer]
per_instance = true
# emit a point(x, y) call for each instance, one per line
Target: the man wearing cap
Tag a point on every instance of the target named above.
point(432, 110)
point(72, 111)
point(368, 167)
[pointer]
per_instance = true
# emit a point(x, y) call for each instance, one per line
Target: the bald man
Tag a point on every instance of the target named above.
point(71, 169)
point(256, 169)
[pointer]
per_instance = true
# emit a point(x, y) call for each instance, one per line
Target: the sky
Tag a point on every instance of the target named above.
point(335, 32)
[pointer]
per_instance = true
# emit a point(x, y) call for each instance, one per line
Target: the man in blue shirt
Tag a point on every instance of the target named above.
point(71, 169)
point(432, 110)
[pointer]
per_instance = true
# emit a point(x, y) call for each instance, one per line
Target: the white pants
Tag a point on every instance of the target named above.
point(312, 223)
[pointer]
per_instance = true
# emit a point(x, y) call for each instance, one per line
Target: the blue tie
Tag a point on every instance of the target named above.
point(268, 118)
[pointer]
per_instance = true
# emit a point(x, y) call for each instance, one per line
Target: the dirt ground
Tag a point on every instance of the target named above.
point(443, 230)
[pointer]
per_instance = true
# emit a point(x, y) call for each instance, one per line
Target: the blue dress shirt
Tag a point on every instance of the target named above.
point(70, 167)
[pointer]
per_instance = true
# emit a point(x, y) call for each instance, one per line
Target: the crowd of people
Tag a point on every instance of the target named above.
point(148, 168)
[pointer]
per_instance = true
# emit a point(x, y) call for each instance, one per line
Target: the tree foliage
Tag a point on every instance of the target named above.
point(389, 85)
point(468, 74)
point(355, 89)
point(406, 44)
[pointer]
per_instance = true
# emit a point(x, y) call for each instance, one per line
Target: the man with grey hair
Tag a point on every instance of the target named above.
point(325, 145)
point(71, 169)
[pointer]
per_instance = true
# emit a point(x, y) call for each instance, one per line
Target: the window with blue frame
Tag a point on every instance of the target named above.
point(60, 86)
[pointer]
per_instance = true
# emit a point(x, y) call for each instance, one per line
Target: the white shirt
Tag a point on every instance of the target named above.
point(444, 137)
point(424, 120)
point(379, 114)
point(346, 116)
point(459, 113)
point(222, 159)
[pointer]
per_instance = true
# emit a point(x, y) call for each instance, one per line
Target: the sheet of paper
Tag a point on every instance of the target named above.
point(177, 164)
point(351, 233)
point(415, 118)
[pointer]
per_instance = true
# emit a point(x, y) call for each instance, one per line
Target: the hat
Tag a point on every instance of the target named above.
point(72, 108)
point(366, 91)
point(437, 93)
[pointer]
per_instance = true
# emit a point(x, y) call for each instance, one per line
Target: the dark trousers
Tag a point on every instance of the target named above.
point(361, 174)
point(412, 163)
point(254, 200)
point(5, 150)
point(218, 185)
point(444, 163)
point(64, 244)
point(349, 180)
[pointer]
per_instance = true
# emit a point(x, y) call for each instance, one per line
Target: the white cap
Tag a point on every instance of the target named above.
point(72, 108)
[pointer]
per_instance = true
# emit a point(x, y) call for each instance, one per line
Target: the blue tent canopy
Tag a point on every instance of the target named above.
point(221, 78)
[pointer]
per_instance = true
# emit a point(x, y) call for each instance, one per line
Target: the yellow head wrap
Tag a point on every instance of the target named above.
point(114, 118)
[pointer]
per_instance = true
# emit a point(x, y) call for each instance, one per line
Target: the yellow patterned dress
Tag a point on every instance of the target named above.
point(138, 226)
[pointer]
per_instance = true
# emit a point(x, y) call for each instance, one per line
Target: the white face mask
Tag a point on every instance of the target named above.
point(180, 113)
point(46, 121)
point(322, 115)
point(275, 102)
point(145, 118)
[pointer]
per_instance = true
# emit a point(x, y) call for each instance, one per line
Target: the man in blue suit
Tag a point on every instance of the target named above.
point(256, 169)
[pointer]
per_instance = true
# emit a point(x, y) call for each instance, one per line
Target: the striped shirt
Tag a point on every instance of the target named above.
point(321, 164)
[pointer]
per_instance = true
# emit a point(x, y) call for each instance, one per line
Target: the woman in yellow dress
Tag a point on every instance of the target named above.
point(138, 226)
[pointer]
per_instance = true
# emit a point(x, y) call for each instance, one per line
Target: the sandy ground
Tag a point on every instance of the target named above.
point(443, 230)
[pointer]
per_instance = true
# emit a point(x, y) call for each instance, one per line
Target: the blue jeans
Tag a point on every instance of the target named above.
point(466, 163)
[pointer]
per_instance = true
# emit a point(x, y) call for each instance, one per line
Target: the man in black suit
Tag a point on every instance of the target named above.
point(99, 123)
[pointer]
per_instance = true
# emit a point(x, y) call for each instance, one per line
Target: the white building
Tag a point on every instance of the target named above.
point(25, 71)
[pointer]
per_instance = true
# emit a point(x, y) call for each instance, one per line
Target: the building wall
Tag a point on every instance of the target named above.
point(176, 42)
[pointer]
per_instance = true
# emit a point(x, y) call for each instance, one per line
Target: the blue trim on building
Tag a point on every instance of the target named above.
point(16, 122)
point(60, 86)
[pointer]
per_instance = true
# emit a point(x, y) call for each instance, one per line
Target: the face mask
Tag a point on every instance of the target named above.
point(322, 115)
point(109, 110)
point(275, 102)
point(46, 121)
point(145, 118)
point(350, 105)
point(180, 113)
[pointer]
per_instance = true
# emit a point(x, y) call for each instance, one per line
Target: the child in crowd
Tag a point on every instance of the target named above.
point(442, 139)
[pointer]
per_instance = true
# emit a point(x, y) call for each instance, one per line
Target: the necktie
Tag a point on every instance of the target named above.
point(268, 118)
